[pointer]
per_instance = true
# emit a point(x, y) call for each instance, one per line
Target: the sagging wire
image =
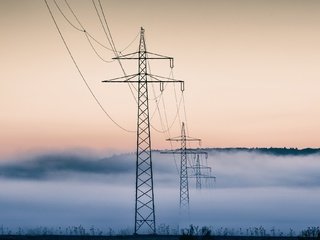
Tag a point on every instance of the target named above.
point(89, 36)
point(113, 46)
point(81, 74)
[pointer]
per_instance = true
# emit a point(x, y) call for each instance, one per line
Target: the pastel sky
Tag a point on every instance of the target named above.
point(251, 70)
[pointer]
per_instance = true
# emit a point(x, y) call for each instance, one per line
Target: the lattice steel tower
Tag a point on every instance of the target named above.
point(183, 151)
point(202, 172)
point(184, 186)
point(198, 172)
point(144, 199)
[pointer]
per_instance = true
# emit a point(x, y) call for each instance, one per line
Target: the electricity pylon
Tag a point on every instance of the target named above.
point(201, 171)
point(184, 151)
point(144, 197)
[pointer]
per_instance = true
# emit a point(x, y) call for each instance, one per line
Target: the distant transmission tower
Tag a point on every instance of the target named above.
point(144, 199)
point(184, 151)
point(202, 171)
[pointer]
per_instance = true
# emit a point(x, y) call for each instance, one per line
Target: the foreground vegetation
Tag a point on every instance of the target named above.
point(192, 232)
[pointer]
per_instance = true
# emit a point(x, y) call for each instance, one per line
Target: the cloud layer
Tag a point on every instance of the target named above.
point(234, 168)
point(252, 189)
point(57, 165)
point(262, 169)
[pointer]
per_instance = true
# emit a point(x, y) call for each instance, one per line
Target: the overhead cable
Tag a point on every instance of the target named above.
point(82, 76)
point(88, 35)
point(111, 42)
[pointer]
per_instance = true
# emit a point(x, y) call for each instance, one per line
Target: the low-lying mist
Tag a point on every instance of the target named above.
point(252, 188)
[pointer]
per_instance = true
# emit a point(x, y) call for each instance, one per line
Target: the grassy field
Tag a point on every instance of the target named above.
point(147, 237)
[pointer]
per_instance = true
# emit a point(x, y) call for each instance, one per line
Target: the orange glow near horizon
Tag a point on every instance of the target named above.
point(251, 72)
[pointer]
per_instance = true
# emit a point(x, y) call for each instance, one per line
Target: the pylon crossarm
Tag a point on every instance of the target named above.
point(158, 55)
point(137, 81)
point(179, 139)
point(135, 58)
point(125, 56)
point(150, 55)
point(156, 79)
point(200, 167)
point(198, 152)
point(168, 79)
point(127, 77)
point(201, 175)
point(186, 151)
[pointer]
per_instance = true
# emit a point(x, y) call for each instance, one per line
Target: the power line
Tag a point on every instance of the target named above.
point(184, 106)
point(95, 51)
point(105, 20)
point(129, 44)
point(176, 98)
point(104, 29)
point(111, 42)
point(168, 127)
point(82, 76)
point(65, 17)
point(89, 35)
point(81, 30)
point(98, 42)
point(157, 101)
point(167, 130)
point(185, 117)
point(75, 27)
